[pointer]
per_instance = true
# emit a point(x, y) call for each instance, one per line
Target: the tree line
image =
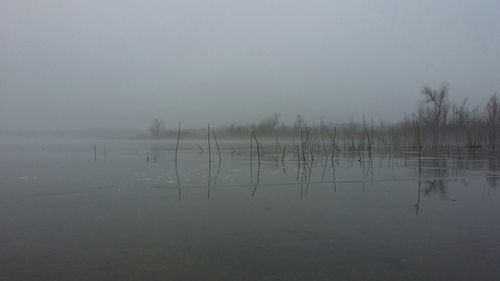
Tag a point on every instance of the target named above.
point(438, 123)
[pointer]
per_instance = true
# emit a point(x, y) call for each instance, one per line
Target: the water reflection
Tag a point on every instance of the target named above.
point(217, 174)
point(209, 178)
point(307, 178)
point(434, 173)
point(492, 177)
point(256, 185)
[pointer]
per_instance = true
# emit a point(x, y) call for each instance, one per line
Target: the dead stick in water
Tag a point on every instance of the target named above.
point(298, 153)
point(283, 153)
point(251, 146)
point(309, 147)
point(276, 148)
point(258, 147)
point(324, 146)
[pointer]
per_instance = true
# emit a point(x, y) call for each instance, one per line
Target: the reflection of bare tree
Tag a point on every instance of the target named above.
point(437, 173)
point(492, 179)
point(417, 205)
point(155, 152)
point(492, 162)
point(436, 186)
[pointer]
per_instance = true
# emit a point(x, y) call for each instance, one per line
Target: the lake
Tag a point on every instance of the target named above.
point(125, 213)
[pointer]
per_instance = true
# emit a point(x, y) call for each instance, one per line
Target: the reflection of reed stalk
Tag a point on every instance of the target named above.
point(209, 179)
point(209, 162)
point(251, 152)
point(419, 146)
point(251, 147)
point(217, 145)
point(258, 181)
point(208, 138)
point(177, 148)
point(178, 181)
point(200, 148)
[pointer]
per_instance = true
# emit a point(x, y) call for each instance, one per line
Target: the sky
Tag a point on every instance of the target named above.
point(74, 64)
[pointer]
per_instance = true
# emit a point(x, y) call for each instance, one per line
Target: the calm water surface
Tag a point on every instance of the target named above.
point(65, 215)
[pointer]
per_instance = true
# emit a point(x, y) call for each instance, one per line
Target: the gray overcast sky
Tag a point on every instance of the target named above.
point(120, 63)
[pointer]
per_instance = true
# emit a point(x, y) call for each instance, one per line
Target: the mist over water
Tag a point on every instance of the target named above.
point(258, 140)
point(120, 64)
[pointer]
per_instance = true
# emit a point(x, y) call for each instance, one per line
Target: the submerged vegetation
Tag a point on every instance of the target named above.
point(437, 124)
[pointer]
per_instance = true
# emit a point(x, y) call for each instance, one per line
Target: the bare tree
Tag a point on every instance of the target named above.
point(157, 129)
point(436, 107)
point(299, 122)
point(492, 118)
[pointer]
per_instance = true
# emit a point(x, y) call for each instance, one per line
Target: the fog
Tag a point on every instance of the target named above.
point(120, 64)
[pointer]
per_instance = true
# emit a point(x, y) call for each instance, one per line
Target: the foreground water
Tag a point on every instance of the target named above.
point(67, 215)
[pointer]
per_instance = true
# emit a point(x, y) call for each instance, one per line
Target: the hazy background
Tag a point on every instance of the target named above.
point(118, 64)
